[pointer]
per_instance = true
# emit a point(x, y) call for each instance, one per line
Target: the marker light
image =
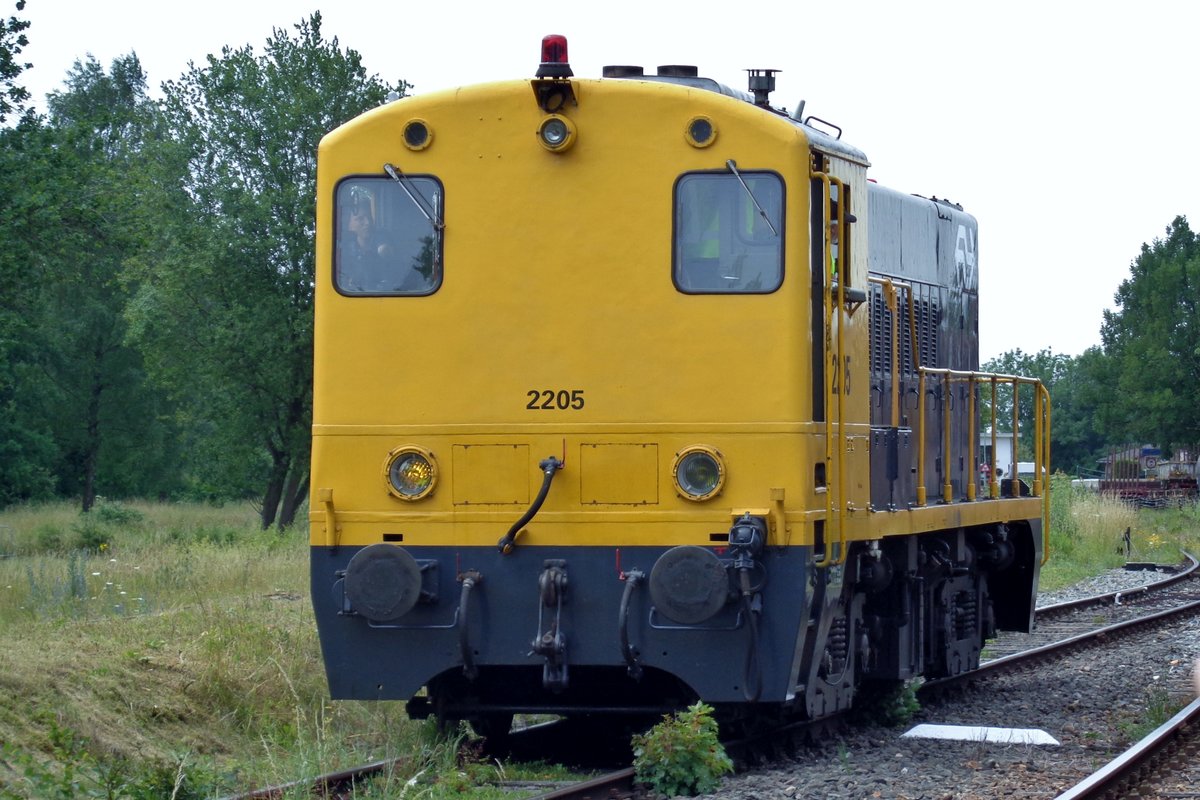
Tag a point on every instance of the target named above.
point(700, 132)
point(411, 472)
point(554, 58)
point(417, 135)
point(698, 473)
point(556, 133)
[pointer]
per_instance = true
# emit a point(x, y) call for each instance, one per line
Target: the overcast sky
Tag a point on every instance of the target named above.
point(1069, 129)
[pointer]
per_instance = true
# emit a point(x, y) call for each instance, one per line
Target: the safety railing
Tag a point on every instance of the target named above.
point(975, 381)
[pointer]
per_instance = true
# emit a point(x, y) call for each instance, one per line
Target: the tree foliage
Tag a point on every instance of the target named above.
point(72, 215)
point(224, 303)
point(1153, 339)
point(27, 450)
point(13, 41)
point(1139, 385)
point(1075, 400)
point(26, 447)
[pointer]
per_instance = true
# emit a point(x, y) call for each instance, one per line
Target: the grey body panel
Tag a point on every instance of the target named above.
point(931, 246)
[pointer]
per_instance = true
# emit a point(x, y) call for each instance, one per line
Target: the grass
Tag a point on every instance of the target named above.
point(1159, 707)
point(175, 641)
point(1087, 534)
point(158, 650)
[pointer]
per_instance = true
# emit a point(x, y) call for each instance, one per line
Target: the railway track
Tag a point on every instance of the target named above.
point(1061, 628)
point(1165, 764)
point(1176, 575)
point(1065, 620)
point(1056, 649)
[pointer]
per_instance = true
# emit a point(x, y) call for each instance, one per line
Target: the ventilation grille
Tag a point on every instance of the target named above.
point(883, 327)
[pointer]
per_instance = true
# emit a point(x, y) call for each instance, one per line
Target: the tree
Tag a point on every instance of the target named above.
point(12, 42)
point(1046, 366)
point(224, 307)
point(1082, 424)
point(27, 450)
point(26, 447)
point(78, 414)
point(114, 422)
point(80, 206)
point(1153, 338)
point(1083, 429)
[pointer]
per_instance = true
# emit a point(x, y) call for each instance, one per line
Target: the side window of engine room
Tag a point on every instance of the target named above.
point(728, 233)
point(386, 238)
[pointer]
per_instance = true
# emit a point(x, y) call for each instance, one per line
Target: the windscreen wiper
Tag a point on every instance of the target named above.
point(413, 194)
point(733, 168)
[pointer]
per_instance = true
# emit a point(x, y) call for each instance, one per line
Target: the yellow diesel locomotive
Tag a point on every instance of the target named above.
point(633, 391)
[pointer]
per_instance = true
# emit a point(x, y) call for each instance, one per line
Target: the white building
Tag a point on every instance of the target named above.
point(1004, 452)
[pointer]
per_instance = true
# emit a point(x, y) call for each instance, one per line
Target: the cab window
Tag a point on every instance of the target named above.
point(728, 236)
point(385, 240)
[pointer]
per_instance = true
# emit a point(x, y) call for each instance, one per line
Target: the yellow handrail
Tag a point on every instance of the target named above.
point(833, 362)
point(922, 499)
point(1044, 437)
point(971, 437)
point(947, 398)
point(1041, 434)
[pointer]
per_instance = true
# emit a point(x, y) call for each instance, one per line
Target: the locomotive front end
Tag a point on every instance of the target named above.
point(563, 363)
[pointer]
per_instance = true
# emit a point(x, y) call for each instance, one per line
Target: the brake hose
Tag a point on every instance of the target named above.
point(549, 467)
point(632, 579)
point(753, 666)
point(470, 579)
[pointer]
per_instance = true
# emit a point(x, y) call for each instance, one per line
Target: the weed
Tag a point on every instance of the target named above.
point(681, 755)
point(51, 594)
point(217, 535)
point(77, 575)
point(1158, 709)
point(1085, 530)
point(75, 771)
point(888, 703)
point(92, 535)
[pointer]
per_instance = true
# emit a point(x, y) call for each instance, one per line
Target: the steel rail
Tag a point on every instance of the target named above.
point(1119, 777)
point(1117, 596)
point(1005, 663)
point(322, 784)
point(612, 786)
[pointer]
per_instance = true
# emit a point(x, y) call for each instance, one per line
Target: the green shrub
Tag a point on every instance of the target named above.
point(49, 539)
point(92, 535)
point(888, 703)
point(218, 535)
point(681, 755)
point(115, 513)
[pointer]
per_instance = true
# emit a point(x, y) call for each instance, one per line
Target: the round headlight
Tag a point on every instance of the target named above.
point(699, 473)
point(556, 133)
point(411, 472)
